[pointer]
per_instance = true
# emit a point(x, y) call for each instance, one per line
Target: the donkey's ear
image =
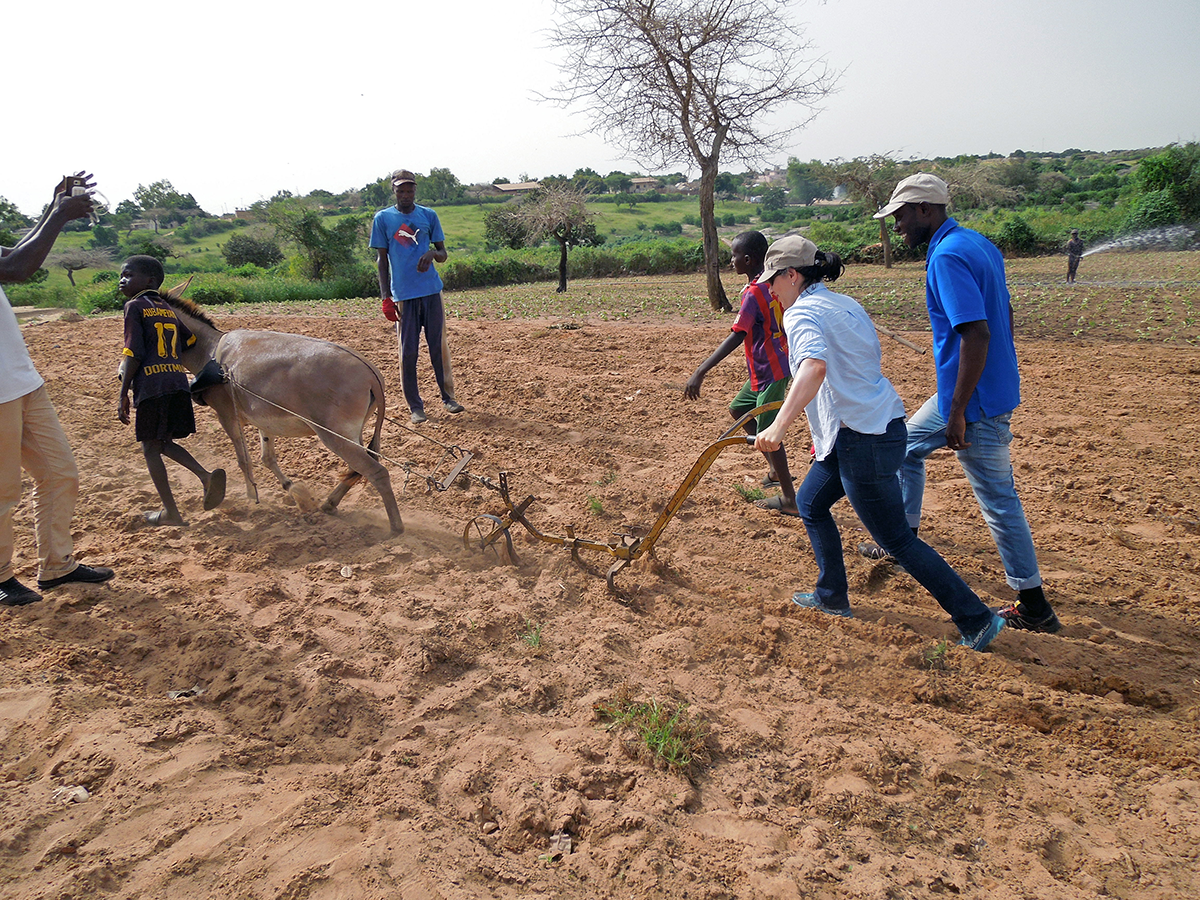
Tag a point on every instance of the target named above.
point(176, 292)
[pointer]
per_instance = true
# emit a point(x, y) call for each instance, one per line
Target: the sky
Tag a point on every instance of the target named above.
point(234, 101)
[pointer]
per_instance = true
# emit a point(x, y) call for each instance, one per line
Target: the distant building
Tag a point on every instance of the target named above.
point(776, 177)
point(643, 185)
point(521, 187)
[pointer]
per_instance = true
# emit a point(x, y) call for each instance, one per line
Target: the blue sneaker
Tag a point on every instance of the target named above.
point(984, 637)
point(810, 601)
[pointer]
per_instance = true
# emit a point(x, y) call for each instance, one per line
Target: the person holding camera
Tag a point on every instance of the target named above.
point(31, 437)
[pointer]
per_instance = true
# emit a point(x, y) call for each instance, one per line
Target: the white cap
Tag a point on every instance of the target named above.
point(919, 188)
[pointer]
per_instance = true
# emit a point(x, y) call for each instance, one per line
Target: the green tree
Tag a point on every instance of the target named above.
point(502, 229)
point(774, 198)
point(589, 181)
point(559, 214)
point(728, 185)
point(162, 203)
point(439, 186)
point(618, 182)
point(12, 218)
point(690, 81)
point(870, 179)
point(378, 194)
point(326, 252)
point(803, 184)
point(123, 217)
point(104, 237)
point(1175, 170)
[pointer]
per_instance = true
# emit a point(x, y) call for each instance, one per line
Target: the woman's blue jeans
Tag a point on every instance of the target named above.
point(862, 468)
point(988, 467)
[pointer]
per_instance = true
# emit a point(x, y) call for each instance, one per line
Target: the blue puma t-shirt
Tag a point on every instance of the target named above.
point(406, 237)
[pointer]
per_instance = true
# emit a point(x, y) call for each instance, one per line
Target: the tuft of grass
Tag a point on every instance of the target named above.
point(595, 506)
point(935, 656)
point(532, 635)
point(607, 478)
point(670, 734)
point(750, 494)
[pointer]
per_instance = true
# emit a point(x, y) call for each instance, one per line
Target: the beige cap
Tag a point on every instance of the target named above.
point(919, 188)
point(791, 252)
point(403, 176)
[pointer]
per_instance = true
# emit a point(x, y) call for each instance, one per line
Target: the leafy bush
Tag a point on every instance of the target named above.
point(1017, 238)
point(147, 243)
point(630, 257)
point(837, 238)
point(216, 295)
point(39, 294)
point(247, 270)
point(103, 297)
point(1153, 209)
point(202, 226)
point(242, 249)
point(667, 228)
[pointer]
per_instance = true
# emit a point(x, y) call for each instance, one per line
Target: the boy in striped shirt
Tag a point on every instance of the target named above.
point(757, 329)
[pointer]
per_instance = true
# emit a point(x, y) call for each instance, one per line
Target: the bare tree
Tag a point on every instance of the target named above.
point(558, 212)
point(81, 258)
point(977, 183)
point(687, 81)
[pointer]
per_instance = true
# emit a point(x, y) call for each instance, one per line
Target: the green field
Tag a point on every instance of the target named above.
point(464, 230)
point(1133, 297)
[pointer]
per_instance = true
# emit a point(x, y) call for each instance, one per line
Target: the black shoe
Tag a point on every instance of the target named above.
point(418, 416)
point(13, 593)
point(1015, 617)
point(453, 406)
point(81, 574)
point(874, 552)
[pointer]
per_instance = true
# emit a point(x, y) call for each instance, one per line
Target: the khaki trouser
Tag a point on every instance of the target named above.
point(32, 439)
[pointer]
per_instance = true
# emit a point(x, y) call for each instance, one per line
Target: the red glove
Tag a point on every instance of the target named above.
point(389, 310)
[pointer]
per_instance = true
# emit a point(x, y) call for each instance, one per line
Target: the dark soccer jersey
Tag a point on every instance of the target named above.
point(155, 338)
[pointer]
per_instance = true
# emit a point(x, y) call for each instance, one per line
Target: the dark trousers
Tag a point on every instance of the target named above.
point(429, 315)
point(862, 468)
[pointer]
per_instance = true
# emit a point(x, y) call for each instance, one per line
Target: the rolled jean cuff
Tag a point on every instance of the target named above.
point(1023, 584)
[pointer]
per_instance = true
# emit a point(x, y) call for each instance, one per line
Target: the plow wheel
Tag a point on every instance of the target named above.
point(490, 534)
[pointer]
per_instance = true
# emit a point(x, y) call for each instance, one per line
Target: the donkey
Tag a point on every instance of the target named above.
point(290, 385)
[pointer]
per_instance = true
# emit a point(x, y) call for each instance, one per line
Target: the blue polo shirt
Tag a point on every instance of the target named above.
point(964, 282)
point(406, 237)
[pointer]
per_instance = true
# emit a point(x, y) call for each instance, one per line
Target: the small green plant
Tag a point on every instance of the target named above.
point(533, 634)
point(935, 656)
point(607, 478)
point(669, 732)
point(749, 494)
point(595, 506)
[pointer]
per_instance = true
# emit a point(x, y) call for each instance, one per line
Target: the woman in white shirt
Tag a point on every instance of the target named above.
point(857, 424)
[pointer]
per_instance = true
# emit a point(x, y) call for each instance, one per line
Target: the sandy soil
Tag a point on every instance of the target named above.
point(370, 719)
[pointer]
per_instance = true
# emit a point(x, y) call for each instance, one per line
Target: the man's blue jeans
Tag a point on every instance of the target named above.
point(862, 468)
point(988, 467)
